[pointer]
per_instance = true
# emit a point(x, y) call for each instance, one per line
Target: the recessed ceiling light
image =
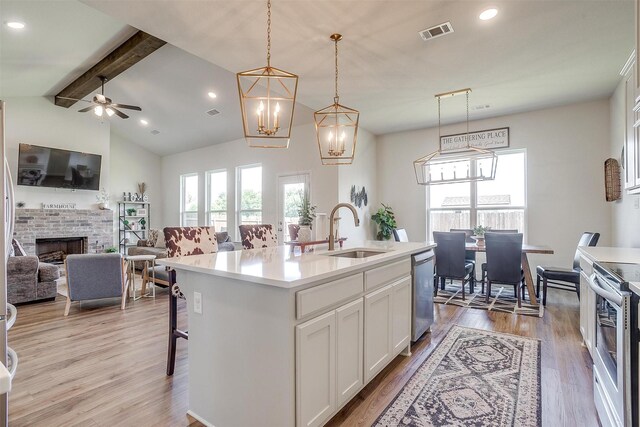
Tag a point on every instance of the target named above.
point(212, 95)
point(143, 122)
point(15, 25)
point(488, 14)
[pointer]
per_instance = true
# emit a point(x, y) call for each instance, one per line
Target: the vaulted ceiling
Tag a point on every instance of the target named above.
point(532, 55)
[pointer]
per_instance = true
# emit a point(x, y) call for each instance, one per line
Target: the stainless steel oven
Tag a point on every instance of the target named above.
point(612, 356)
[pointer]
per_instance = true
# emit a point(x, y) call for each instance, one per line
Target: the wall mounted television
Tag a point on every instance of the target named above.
point(52, 167)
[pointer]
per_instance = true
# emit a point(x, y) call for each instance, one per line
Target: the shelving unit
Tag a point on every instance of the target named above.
point(129, 228)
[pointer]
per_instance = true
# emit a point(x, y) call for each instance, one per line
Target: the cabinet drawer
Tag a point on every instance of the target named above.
point(323, 296)
point(386, 274)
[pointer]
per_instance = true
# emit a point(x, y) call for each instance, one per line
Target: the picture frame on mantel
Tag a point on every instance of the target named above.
point(487, 139)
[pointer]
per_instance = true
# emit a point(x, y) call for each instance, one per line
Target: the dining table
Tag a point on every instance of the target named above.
point(528, 277)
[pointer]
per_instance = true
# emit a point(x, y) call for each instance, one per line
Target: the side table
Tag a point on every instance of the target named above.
point(149, 260)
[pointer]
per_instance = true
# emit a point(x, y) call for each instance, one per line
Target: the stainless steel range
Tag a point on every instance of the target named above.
point(614, 361)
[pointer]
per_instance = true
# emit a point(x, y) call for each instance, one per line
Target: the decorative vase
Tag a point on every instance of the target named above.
point(304, 234)
point(479, 240)
point(103, 205)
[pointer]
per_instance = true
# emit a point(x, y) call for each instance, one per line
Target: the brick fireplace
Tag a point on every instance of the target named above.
point(92, 230)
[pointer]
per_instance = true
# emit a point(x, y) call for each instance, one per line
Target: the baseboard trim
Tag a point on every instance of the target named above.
point(199, 418)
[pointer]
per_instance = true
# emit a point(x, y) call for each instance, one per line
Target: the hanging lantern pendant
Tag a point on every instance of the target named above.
point(267, 100)
point(336, 126)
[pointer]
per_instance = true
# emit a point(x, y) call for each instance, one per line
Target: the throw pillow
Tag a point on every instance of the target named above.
point(160, 243)
point(18, 250)
point(153, 237)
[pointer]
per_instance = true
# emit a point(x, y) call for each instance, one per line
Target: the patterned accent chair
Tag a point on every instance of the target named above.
point(183, 241)
point(257, 236)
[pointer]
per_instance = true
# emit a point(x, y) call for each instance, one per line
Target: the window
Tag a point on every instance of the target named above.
point(249, 199)
point(216, 212)
point(189, 200)
point(499, 204)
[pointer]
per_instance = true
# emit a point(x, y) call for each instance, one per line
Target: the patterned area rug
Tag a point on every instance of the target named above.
point(473, 378)
point(502, 299)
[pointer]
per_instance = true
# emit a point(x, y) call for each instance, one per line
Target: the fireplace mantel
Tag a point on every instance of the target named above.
point(95, 225)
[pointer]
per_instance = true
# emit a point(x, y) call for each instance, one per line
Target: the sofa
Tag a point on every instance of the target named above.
point(28, 279)
point(155, 245)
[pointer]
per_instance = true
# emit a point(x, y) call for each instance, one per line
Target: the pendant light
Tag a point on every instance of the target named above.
point(267, 101)
point(337, 126)
point(456, 165)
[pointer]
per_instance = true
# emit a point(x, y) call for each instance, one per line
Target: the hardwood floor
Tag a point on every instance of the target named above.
point(105, 367)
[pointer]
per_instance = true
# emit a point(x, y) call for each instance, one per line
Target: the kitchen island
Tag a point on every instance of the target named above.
point(277, 339)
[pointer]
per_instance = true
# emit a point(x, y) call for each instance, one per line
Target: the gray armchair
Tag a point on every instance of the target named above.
point(95, 276)
point(29, 280)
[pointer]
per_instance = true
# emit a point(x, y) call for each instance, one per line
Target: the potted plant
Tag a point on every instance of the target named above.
point(111, 250)
point(478, 234)
point(131, 211)
point(142, 222)
point(307, 214)
point(386, 221)
point(103, 199)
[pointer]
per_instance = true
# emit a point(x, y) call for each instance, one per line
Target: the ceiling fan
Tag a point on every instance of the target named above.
point(100, 104)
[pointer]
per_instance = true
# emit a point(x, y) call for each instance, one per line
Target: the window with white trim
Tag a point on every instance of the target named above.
point(249, 194)
point(189, 200)
point(216, 207)
point(499, 204)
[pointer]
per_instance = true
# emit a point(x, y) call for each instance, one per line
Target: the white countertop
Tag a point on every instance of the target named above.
point(277, 266)
point(608, 254)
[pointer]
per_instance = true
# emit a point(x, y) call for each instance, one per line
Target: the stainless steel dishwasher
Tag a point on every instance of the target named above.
point(422, 298)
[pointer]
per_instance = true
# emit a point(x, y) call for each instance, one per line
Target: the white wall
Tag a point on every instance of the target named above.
point(130, 165)
point(301, 156)
point(566, 147)
point(625, 213)
point(362, 173)
point(37, 121)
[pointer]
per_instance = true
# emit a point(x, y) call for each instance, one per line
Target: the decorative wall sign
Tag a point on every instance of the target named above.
point(360, 197)
point(58, 206)
point(485, 139)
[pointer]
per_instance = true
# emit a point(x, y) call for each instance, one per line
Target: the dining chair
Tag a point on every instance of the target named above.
point(400, 235)
point(483, 267)
point(566, 279)
point(450, 260)
point(183, 241)
point(504, 255)
point(468, 255)
point(257, 236)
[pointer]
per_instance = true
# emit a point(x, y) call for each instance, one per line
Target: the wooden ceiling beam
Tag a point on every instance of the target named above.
point(136, 48)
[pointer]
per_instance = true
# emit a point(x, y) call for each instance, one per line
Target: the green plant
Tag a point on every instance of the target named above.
point(111, 250)
point(306, 212)
point(480, 230)
point(142, 223)
point(386, 221)
point(131, 211)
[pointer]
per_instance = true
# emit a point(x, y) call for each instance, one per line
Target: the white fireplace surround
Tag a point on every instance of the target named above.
point(95, 225)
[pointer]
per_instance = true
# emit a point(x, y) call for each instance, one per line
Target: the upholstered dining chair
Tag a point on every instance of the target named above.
point(257, 236)
point(95, 276)
point(468, 255)
point(183, 241)
point(566, 279)
point(483, 267)
point(400, 235)
point(450, 260)
point(504, 255)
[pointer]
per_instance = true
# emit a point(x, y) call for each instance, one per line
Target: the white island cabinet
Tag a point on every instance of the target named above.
point(287, 340)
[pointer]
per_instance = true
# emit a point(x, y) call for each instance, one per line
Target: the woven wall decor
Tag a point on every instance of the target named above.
point(612, 180)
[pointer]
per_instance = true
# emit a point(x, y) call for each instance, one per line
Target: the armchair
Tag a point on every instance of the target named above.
point(29, 280)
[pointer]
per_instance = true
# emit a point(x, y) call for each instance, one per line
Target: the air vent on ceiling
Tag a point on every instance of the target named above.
point(437, 31)
point(155, 132)
point(213, 112)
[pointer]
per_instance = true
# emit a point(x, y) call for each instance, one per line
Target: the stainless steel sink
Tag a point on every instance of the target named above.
point(357, 253)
